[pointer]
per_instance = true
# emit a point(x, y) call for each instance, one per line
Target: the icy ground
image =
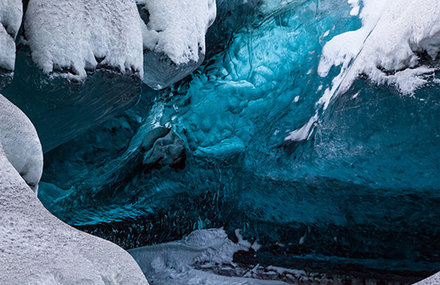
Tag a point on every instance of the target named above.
point(210, 257)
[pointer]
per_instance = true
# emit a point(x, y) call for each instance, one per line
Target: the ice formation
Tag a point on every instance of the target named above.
point(388, 46)
point(70, 37)
point(37, 248)
point(174, 38)
point(20, 143)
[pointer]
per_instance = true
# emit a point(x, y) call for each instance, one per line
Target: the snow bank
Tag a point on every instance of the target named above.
point(174, 37)
point(37, 248)
point(20, 143)
point(71, 37)
point(387, 47)
point(10, 17)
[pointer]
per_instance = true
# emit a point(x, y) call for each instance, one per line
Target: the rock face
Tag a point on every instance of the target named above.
point(36, 247)
point(174, 38)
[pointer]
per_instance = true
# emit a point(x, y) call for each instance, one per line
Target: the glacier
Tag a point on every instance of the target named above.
point(236, 142)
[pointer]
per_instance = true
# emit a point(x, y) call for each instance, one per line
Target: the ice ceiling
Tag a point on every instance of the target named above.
point(311, 126)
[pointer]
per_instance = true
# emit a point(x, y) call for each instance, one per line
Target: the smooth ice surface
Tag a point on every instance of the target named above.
point(174, 38)
point(20, 143)
point(37, 248)
point(388, 46)
point(70, 37)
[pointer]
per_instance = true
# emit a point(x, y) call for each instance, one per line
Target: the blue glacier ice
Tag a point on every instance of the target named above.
point(294, 129)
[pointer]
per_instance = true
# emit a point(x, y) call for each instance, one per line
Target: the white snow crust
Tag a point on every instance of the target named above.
point(65, 34)
point(20, 143)
point(172, 263)
point(392, 33)
point(11, 12)
point(37, 248)
point(178, 27)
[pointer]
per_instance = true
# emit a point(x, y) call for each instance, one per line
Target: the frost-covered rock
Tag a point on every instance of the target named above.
point(11, 12)
point(70, 37)
point(20, 143)
point(174, 38)
point(37, 248)
point(387, 47)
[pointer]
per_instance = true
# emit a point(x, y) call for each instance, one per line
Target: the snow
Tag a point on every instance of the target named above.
point(392, 34)
point(75, 35)
point(178, 27)
point(20, 143)
point(11, 12)
point(173, 262)
point(174, 38)
point(37, 248)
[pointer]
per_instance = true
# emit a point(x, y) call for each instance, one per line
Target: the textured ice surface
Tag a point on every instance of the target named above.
point(67, 38)
point(37, 248)
point(174, 38)
point(355, 188)
point(10, 19)
point(20, 143)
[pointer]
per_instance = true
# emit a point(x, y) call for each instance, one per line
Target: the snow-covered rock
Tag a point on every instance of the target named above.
point(174, 38)
point(37, 248)
point(11, 12)
point(388, 45)
point(68, 38)
point(20, 143)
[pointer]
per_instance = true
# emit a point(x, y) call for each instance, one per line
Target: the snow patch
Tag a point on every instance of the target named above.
point(174, 262)
point(386, 47)
point(70, 37)
point(178, 27)
point(11, 12)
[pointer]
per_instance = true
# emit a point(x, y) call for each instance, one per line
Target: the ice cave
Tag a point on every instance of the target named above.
point(262, 142)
